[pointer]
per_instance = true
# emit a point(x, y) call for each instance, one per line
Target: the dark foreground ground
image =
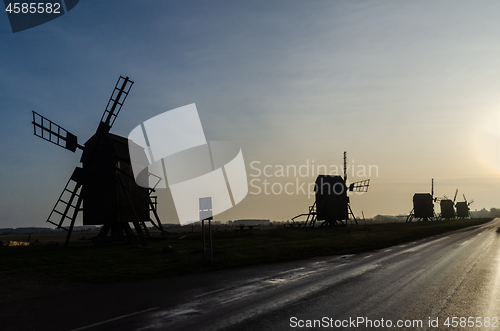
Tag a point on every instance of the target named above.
point(181, 253)
point(250, 296)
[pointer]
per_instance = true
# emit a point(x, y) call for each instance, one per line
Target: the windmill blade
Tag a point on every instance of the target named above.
point(156, 178)
point(455, 198)
point(470, 203)
point(48, 130)
point(115, 103)
point(66, 207)
point(361, 186)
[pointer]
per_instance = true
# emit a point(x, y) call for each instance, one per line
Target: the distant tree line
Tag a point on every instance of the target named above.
point(41, 230)
point(493, 212)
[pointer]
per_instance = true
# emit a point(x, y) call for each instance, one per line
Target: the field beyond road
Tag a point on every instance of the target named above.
point(83, 262)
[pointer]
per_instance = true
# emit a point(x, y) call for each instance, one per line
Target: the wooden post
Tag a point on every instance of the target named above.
point(210, 234)
point(203, 235)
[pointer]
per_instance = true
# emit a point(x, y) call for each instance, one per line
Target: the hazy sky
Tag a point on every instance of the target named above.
point(409, 87)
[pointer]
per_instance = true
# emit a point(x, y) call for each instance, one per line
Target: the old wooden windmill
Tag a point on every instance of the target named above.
point(447, 206)
point(463, 210)
point(332, 205)
point(423, 206)
point(104, 187)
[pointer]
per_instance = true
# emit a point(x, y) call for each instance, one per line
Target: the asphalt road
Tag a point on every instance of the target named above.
point(452, 275)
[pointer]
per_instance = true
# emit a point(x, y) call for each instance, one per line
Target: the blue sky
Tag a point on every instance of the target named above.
point(406, 86)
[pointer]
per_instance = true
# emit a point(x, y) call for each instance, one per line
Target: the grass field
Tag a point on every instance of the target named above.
point(82, 261)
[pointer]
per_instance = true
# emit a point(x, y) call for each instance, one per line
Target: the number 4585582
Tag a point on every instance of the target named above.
point(34, 7)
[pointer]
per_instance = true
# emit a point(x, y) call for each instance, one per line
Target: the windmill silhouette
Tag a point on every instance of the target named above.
point(332, 205)
point(104, 187)
point(463, 210)
point(447, 206)
point(423, 206)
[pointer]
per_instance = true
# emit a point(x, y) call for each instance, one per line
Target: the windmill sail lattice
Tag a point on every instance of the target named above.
point(115, 103)
point(48, 130)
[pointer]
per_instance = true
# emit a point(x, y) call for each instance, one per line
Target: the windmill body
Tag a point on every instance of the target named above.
point(332, 202)
point(423, 207)
point(463, 210)
point(447, 208)
point(108, 179)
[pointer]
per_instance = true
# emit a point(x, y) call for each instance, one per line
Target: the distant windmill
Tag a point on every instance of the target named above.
point(423, 206)
point(447, 206)
point(463, 210)
point(332, 205)
point(105, 184)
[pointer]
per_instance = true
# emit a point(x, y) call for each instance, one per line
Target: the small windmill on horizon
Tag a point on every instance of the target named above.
point(333, 205)
point(463, 210)
point(447, 206)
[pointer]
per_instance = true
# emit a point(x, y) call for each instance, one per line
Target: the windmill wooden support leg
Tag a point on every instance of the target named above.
point(313, 218)
point(354, 217)
point(160, 226)
point(307, 220)
point(104, 231)
point(311, 215)
point(313, 221)
point(127, 230)
point(137, 221)
point(143, 224)
point(137, 228)
point(75, 213)
point(410, 217)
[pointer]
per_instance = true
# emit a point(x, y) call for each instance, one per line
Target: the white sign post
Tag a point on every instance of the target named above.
point(206, 214)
